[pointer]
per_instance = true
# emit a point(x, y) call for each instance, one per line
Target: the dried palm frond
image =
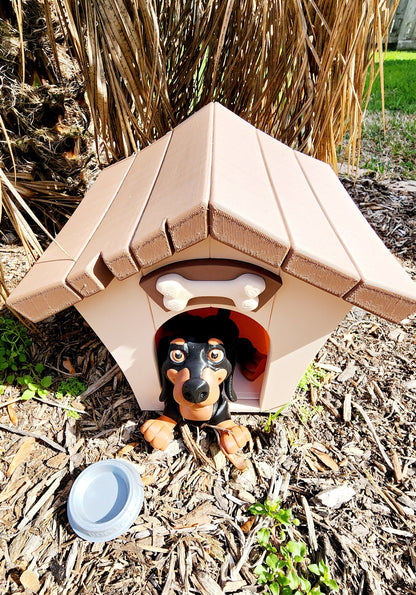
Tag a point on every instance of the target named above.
point(294, 68)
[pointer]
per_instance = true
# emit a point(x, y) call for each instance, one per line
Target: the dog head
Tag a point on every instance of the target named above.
point(197, 359)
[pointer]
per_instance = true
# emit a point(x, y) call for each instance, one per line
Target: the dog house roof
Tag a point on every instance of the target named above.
point(216, 175)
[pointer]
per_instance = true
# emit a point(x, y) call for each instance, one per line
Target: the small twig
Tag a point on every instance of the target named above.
point(62, 372)
point(374, 433)
point(48, 441)
point(100, 382)
point(9, 402)
point(196, 451)
point(311, 525)
point(59, 405)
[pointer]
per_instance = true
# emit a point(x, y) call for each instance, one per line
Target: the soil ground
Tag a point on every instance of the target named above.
point(195, 533)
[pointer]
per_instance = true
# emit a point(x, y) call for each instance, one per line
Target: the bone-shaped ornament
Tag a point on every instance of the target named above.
point(243, 290)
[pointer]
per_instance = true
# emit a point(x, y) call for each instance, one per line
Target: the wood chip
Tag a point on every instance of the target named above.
point(11, 410)
point(30, 581)
point(126, 449)
point(348, 372)
point(398, 472)
point(22, 455)
point(44, 498)
point(335, 497)
point(347, 408)
point(198, 516)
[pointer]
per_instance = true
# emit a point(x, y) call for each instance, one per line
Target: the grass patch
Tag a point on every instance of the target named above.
point(392, 154)
point(399, 84)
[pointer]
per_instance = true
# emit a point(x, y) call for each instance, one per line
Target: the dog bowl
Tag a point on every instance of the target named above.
point(105, 500)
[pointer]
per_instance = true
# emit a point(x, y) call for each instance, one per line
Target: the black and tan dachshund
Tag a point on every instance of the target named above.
point(197, 357)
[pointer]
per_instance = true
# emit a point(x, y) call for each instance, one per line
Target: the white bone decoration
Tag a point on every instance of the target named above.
point(243, 290)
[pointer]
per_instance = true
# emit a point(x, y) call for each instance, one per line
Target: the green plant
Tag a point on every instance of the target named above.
point(284, 571)
point(14, 349)
point(308, 412)
point(312, 376)
point(274, 416)
point(35, 384)
point(70, 388)
point(14, 365)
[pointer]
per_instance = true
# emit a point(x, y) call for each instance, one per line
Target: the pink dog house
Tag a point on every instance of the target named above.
point(217, 214)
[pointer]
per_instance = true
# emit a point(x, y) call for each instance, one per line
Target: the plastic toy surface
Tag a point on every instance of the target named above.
point(197, 357)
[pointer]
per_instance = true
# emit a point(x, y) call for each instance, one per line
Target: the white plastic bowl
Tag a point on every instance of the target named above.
point(105, 500)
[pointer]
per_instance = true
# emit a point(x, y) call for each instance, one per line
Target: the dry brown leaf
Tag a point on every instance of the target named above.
point(30, 581)
point(12, 413)
point(246, 527)
point(21, 455)
point(326, 459)
point(67, 364)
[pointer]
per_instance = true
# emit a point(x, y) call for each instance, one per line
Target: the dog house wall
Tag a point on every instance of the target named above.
point(298, 320)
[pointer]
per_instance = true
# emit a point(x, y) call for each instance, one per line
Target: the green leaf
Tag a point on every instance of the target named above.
point(331, 583)
point(314, 569)
point(263, 537)
point(2, 388)
point(27, 378)
point(39, 368)
point(283, 580)
point(304, 584)
point(28, 394)
point(10, 379)
point(298, 549)
point(323, 568)
point(46, 382)
point(42, 392)
point(32, 386)
point(263, 575)
point(284, 516)
point(294, 580)
point(287, 591)
point(272, 562)
point(257, 509)
point(274, 588)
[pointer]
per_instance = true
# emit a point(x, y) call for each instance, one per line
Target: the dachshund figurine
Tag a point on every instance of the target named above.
point(196, 364)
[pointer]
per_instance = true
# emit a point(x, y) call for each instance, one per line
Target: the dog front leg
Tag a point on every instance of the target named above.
point(234, 437)
point(159, 432)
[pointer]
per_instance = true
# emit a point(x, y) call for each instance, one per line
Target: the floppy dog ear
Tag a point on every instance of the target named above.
point(162, 352)
point(229, 389)
point(167, 389)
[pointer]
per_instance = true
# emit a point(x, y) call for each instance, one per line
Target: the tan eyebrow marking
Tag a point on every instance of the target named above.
point(178, 342)
point(214, 342)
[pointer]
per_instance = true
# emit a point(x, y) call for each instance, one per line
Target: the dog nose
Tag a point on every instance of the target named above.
point(195, 390)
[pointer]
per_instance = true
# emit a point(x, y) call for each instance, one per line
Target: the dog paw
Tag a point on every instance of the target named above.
point(234, 438)
point(159, 432)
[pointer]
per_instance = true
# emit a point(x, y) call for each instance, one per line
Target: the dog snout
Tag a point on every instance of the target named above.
point(195, 390)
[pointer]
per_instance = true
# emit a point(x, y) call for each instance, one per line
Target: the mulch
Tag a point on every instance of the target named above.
point(195, 533)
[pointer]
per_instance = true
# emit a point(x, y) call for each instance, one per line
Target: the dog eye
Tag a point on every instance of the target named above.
point(177, 356)
point(216, 355)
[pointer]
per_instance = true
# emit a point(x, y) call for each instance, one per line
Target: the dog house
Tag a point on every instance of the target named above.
point(217, 214)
